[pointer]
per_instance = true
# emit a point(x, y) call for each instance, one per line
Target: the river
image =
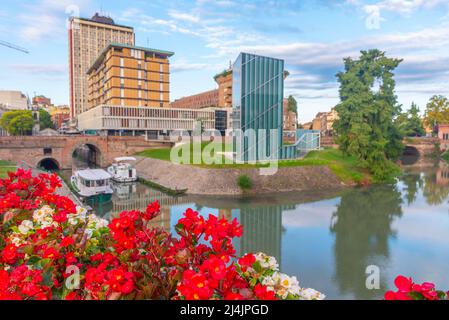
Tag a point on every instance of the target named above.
point(328, 240)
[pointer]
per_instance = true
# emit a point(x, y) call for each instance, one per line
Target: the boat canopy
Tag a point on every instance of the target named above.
point(94, 174)
point(123, 159)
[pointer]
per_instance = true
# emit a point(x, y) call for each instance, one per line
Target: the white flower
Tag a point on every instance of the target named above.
point(81, 211)
point(310, 294)
point(38, 215)
point(16, 241)
point(25, 226)
point(46, 222)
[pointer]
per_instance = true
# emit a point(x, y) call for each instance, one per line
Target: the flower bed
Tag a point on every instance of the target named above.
point(51, 249)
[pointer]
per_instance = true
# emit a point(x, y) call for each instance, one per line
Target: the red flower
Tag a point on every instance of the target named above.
point(67, 241)
point(216, 268)
point(262, 292)
point(9, 254)
point(51, 253)
point(403, 284)
point(247, 261)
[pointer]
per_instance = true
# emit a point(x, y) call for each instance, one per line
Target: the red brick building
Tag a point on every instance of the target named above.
point(197, 101)
point(41, 101)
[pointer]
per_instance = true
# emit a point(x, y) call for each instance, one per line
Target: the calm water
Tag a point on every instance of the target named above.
point(328, 240)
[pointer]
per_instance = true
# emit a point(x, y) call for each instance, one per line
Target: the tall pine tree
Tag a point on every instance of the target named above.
point(368, 106)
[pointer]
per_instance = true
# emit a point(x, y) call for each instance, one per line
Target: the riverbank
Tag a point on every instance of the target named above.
point(318, 170)
point(206, 181)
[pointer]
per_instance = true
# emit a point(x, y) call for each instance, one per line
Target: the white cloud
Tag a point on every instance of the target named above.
point(184, 66)
point(184, 16)
point(47, 18)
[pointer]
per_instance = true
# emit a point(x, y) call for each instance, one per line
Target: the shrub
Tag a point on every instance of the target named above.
point(244, 182)
point(51, 249)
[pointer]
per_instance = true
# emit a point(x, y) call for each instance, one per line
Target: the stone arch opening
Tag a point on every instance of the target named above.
point(410, 156)
point(49, 164)
point(86, 155)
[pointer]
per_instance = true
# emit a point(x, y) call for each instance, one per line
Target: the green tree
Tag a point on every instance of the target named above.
point(437, 111)
point(292, 104)
point(367, 110)
point(45, 120)
point(410, 123)
point(17, 122)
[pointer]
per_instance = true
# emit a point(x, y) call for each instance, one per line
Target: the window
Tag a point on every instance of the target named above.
point(47, 151)
point(122, 62)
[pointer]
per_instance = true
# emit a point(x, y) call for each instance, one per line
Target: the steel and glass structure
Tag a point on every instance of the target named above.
point(257, 94)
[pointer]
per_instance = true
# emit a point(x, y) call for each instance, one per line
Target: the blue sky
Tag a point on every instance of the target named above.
point(313, 36)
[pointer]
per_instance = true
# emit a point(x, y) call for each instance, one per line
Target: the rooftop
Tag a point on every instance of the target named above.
point(121, 45)
point(103, 20)
point(94, 174)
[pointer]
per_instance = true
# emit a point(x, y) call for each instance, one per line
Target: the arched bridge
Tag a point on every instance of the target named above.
point(59, 150)
point(418, 150)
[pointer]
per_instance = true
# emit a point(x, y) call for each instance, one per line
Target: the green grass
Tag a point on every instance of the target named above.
point(5, 167)
point(345, 167)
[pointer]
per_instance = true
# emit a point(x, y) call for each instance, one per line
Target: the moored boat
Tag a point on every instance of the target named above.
point(92, 183)
point(122, 170)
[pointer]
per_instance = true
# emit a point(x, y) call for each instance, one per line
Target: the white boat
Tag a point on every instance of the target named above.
point(122, 170)
point(92, 182)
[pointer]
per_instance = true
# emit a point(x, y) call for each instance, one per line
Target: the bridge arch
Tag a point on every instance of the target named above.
point(89, 152)
point(410, 155)
point(48, 163)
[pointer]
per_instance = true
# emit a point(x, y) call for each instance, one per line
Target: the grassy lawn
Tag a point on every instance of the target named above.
point(5, 167)
point(344, 167)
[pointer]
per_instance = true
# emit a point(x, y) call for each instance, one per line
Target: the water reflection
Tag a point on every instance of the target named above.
point(327, 240)
point(362, 228)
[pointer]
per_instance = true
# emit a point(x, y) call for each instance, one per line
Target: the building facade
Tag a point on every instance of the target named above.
point(130, 76)
point(197, 101)
point(87, 38)
point(257, 94)
point(290, 118)
point(41, 101)
point(10, 99)
point(224, 81)
point(324, 122)
point(152, 122)
point(443, 136)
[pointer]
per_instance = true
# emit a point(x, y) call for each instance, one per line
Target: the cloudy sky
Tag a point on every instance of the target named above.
point(313, 36)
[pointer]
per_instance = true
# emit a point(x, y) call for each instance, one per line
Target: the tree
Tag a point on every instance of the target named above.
point(410, 123)
point(45, 120)
point(367, 110)
point(292, 104)
point(17, 122)
point(437, 111)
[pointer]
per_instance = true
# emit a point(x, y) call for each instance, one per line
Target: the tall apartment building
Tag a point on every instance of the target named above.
point(125, 75)
point(87, 38)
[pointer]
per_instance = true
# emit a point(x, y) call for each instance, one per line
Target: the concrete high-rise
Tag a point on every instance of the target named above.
point(130, 76)
point(87, 39)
